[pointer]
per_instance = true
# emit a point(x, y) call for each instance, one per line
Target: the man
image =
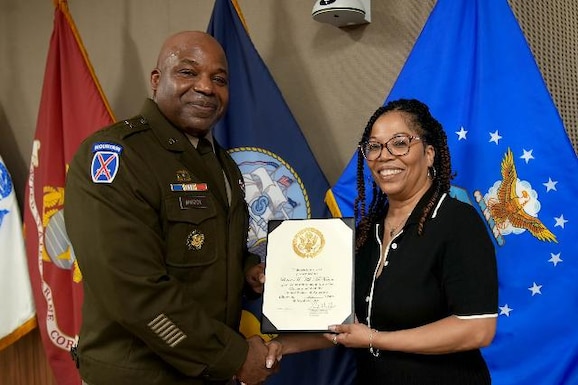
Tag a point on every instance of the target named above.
point(160, 239)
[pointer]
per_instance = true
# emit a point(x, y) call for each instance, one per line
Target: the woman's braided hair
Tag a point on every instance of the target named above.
point(420, 120)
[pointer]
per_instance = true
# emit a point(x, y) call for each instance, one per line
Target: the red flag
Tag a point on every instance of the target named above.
point(72, 106)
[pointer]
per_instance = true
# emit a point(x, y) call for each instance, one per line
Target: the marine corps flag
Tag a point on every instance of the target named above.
point(17, 316)
point(71, 107)
point(515, 164)
point(282, 177)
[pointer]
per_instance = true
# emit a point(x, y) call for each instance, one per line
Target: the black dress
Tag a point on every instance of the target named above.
point(449, 270)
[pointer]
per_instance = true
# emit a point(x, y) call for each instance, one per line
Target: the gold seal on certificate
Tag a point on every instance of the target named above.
point(308, 243)
point(309, 270)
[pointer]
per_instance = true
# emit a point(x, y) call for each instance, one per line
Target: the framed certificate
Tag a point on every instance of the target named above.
point(309, 275)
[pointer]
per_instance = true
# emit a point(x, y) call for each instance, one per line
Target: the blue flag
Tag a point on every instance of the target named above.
point(515, 164)
point(282, 177)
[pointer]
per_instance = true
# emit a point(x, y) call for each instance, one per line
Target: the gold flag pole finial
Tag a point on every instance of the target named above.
point(238, 9)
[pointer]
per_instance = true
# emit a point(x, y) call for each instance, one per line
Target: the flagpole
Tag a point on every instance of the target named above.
point(63, 6)
point(240, 14)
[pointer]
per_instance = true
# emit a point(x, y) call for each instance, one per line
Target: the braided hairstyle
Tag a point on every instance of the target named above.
point(420, 120)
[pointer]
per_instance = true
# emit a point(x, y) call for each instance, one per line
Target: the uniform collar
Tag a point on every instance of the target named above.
point(195, 141)
point(169, 136)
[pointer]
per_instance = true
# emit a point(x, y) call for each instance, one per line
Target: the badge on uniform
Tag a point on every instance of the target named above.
point(189, 187)
point(195, 240)
point(193, 202)
point(105, 162)
point(183, 176)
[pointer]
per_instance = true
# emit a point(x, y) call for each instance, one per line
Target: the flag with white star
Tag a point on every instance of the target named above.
point(472, 66)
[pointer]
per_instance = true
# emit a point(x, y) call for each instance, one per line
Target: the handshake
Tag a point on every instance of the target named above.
point(263, 357)
point(261, 362)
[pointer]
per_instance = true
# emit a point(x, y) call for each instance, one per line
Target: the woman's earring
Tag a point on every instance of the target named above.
point(432, 172)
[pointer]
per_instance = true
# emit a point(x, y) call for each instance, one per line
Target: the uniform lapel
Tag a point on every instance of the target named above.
point(194, 162)
point(175, 141)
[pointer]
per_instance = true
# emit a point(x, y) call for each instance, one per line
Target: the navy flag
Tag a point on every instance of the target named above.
point(515, 164)
point(282, 178)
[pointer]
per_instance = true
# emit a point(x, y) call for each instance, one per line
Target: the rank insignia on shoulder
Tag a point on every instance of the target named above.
point(195, 240)
point(105, 162)
point(189, 187)
point(183, 176)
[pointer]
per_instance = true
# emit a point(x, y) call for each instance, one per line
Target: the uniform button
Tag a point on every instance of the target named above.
point(367, 299)
point(172, 141)
point(394, 246)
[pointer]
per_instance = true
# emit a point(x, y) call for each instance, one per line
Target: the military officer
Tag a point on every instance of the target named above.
point(160, 238)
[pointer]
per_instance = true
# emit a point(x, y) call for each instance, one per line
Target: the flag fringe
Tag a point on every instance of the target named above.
point(240, 14)
point(332, 205)
point(20, 332)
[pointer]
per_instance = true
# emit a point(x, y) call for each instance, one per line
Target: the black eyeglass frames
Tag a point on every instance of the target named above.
point(399, 145)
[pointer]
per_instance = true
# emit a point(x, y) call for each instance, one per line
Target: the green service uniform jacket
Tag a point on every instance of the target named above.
point(162, 257)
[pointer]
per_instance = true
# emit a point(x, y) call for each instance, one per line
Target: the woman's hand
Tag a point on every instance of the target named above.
point(275, 352)
point(356, 335)
point(291, 343)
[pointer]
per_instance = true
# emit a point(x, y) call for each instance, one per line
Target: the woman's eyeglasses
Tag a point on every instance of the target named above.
point(397, 146)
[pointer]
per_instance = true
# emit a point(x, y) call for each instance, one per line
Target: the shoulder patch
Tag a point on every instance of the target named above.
point(106, 146)
point(105, 161)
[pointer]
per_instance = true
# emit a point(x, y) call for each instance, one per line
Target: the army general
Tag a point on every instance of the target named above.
point(160, 237)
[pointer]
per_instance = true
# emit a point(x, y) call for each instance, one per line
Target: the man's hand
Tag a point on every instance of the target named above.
point(254, 370)
point(255, 277)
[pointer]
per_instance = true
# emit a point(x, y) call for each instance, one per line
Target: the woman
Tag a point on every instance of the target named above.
point(425, 281)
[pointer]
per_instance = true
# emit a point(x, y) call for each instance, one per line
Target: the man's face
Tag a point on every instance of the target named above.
point(190, 85)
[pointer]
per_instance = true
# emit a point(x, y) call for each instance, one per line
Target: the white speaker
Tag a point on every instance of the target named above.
point(342, 13)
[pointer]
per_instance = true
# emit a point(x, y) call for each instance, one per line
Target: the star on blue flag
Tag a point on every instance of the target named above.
point(472, 66)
